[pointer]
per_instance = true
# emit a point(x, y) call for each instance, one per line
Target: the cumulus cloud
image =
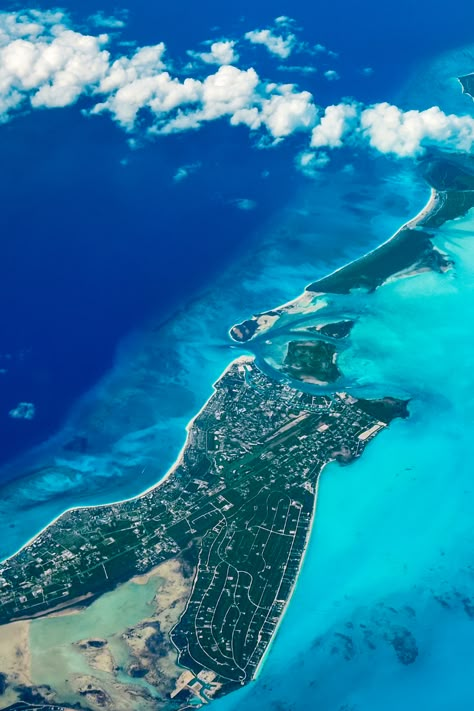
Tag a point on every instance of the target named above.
point(141, 82)
point(390, 130)
point(405, 133)
point(225, 93)
point(280, 45)
point(288, 112)
point(239, 95)
point(222, 52)
point(282, 114)
point(45, 63)
point(336, 123)
point(40, 58)
point(331, 75)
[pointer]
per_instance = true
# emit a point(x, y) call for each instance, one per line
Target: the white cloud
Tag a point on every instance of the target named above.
point(404, 133)
point(41, 59)
point(228, 90)
point(302, 69)
point(44, 63)
point(284, 20)
point(100, 19)
point(222, 52)
point(284, 113)
point(288, 112)
point(147, 62)
point(390, 130)
point(64, 70)
point(222, 94)
point(141, 82)
point(310, 163)
point(279, 45)
point(338, 120)
point(331, 75)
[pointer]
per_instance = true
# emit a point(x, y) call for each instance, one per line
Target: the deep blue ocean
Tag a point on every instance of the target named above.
point(97, 237)
point(118, 286)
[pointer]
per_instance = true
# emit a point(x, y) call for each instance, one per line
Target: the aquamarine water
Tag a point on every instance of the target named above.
point(390, 562)
point(134, 421)
point(389, 565)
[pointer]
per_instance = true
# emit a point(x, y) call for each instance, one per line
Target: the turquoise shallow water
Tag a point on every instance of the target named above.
point(390, 567)
point(133, 423)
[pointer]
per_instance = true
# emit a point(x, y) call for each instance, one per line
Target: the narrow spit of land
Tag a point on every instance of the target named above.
point(409, 251)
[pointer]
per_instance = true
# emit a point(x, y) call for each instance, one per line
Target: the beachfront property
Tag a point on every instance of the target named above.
point(236, 510)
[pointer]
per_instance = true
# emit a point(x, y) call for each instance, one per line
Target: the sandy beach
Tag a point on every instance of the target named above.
point(259, 667)
point(304, 303)
point(179, 458)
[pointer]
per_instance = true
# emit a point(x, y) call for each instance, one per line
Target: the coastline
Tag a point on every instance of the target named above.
point(425, 211)
point(260, 665)
point(305, 296)
point(168, 473)
point(303, 302)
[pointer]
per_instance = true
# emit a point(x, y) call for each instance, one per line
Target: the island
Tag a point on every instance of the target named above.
point(224, 533)
point(312, 362)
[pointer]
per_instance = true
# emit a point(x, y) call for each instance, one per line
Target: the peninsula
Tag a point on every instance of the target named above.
point(237, 507)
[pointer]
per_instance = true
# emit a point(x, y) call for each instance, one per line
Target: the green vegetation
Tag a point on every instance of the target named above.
point(340, 329)
point(238, 506)
point(409, 249)
point(312, 361)
point(452, 175)
point(467, 83)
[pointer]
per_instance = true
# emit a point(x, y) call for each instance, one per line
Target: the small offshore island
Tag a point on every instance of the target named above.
point(226, 530)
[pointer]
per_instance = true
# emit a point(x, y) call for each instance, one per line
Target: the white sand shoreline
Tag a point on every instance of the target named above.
point(308, 296)
point(410, 224)
point(304, 296)
point(259, 667)
point(169, 472)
